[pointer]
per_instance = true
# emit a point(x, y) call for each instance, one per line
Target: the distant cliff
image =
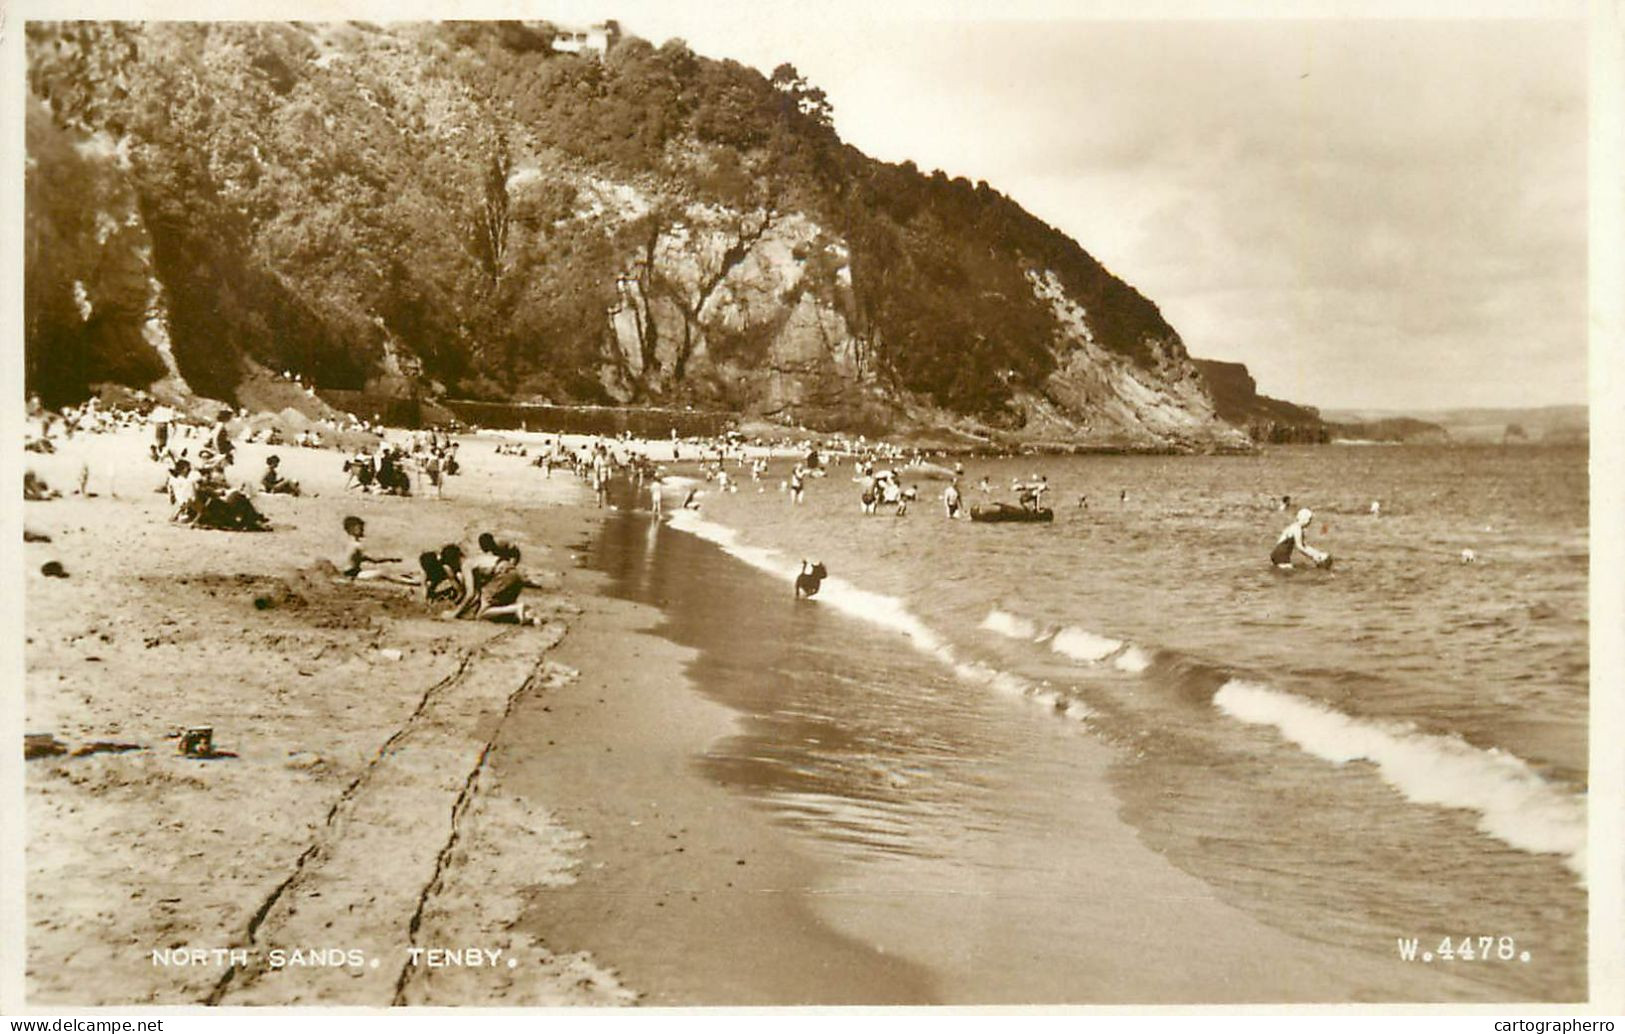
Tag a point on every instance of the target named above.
point(1237, 402)
point(1540, 425)
point(463, 210)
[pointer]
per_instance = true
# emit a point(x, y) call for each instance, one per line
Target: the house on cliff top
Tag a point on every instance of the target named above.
point(594, 40)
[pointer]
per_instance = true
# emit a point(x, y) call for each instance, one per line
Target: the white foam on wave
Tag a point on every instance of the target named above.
point(1081, 645)
point(1515, 805)
point(1132, 660)
point(887, 612)
point(1009, 625)
point(1069, 641)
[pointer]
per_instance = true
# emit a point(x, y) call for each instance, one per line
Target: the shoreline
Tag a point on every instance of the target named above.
point(680, 880)
point(1160, 935)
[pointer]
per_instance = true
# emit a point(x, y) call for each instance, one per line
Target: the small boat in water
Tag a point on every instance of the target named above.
point(994, 513)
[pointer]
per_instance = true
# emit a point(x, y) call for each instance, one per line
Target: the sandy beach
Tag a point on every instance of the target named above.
point(350, 799)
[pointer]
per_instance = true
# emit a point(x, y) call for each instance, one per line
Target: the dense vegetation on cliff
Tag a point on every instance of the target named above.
point(458, 205)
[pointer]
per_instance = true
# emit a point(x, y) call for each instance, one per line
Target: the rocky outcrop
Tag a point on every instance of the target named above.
point(1237, 402)
point(1104, 398)
point(744, 310)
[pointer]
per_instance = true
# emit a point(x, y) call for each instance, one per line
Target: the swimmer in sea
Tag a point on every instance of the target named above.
point(1291, 541)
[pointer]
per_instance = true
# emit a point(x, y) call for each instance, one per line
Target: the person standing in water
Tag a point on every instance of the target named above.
point(951, 499)
point(1030, 494)
point(1291, 541)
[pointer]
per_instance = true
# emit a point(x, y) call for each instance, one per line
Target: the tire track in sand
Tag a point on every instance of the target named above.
point(362, 884)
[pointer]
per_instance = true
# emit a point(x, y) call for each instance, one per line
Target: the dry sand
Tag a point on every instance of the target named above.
point(352, 809)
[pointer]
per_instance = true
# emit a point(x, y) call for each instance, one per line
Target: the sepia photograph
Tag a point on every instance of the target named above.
point(636, 505)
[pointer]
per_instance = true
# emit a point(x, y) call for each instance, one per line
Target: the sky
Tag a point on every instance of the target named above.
point(1368, 213)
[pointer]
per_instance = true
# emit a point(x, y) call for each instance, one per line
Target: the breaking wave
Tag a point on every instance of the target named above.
point(1514, 804)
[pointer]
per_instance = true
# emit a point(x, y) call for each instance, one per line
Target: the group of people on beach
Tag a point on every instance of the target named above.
point(200, 494)
point(385, 468)
point(483, 586)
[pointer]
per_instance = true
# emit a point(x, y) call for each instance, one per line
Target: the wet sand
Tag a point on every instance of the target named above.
point(683, 885)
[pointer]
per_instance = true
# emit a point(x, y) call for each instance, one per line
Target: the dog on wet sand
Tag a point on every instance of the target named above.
point(811, 577)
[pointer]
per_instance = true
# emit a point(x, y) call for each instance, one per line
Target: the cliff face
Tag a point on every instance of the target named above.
point(743, 309)
point(1237, 402)
point(458, 207)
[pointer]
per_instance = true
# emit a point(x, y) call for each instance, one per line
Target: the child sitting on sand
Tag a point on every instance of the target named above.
point(352, 562)
point(272, 480)
point(182, 486)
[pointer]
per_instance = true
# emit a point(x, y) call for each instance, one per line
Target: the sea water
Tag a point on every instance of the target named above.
point(1393, 748)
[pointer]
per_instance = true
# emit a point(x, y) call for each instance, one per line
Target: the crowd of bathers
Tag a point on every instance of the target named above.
point(197, 457)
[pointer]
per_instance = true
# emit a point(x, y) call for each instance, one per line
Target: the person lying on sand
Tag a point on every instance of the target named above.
point(225, 509)
point(35, 488)
point(352, 562)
